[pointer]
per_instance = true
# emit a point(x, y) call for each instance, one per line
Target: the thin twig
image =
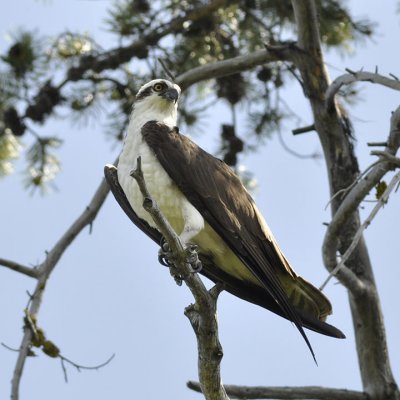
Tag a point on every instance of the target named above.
point(166, 69)
point(23, 269)
point(44, 272)
point(387, 156)
point(353, 199)
point(377, 144)
point(346, 190)
point(79, 367)
point(304, 129)
point(381, 202)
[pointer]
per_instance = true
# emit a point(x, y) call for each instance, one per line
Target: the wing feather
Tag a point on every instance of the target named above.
point(218, 194)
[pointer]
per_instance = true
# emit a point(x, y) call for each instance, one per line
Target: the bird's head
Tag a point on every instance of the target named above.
point(159, 97)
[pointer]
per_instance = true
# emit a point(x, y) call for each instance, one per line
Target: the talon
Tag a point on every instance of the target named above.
point(192, 259)
point(165, 259)
point(162, 260)
point(196, 265)
point(164, 245)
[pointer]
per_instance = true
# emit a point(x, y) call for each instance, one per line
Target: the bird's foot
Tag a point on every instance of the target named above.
point(166, 258)
point(192, 258)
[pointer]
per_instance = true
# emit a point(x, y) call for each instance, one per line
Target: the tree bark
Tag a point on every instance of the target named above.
point(342, 167)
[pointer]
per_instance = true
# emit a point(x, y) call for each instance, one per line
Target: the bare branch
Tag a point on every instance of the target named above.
point(332, 126)
point(285, 392)
point(23, 269)
point(357, 194)
point(304, 129)
point(381, 202)
point(202, 314)
point(387, 156)
point(360, 76)
point(230, 66)
point(377, 144)
point(44, 271)
point(80, 367)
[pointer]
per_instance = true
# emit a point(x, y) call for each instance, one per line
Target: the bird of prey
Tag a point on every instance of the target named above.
point(208, 206)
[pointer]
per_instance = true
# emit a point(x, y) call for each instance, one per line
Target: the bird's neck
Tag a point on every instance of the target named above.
point(139, 116)
point(143, 113)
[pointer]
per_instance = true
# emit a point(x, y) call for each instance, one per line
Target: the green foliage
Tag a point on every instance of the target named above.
point(74, 74)
point(9, 150)
point(43, 164)
point(380, 189)
point(22, 55)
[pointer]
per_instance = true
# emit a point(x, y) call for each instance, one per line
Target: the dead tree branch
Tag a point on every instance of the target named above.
point(284, 392)
point(352, 201)
point(359, 76)
point(331, 123)
point(381, 202)
point(231, 66)
point(202, 314)
point(23, 269)
point(44, 271)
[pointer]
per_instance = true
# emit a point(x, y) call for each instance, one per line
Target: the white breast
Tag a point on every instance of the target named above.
point(182, 216)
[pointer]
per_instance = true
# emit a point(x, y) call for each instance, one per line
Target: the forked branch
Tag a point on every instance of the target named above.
point(352, 201)
point(359, 76)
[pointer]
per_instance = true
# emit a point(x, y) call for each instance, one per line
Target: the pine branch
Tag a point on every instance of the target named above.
point(232, 66)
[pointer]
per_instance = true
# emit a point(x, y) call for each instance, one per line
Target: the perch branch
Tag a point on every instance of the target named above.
point(202, 314)
point(286, 392)
point(44, 270)
point(360, 76)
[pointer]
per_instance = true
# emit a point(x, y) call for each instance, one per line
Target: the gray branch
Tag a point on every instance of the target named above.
point(286, 392)
point(202, 315)
point(342, 168)
point(44, 271)
point(381, 202)
point(354, 198)
point(233, 65)
point(360, 76)
point(23, 269)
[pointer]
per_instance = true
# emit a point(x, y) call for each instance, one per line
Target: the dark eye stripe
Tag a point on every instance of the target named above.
point(144, 93)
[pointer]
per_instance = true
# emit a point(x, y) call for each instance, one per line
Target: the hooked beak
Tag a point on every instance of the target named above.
point(171, 95)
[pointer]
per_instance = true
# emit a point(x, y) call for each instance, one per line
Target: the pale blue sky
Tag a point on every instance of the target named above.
point(109, 294)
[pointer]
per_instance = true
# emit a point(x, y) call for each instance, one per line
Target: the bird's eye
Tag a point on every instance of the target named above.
point(158, 87)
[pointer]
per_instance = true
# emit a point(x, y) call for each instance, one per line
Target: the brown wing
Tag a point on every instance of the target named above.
point(217, 193)
point(245, 290)
point(111, 175)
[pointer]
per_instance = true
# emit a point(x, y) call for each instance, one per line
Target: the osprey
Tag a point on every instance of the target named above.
point(208, 206)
